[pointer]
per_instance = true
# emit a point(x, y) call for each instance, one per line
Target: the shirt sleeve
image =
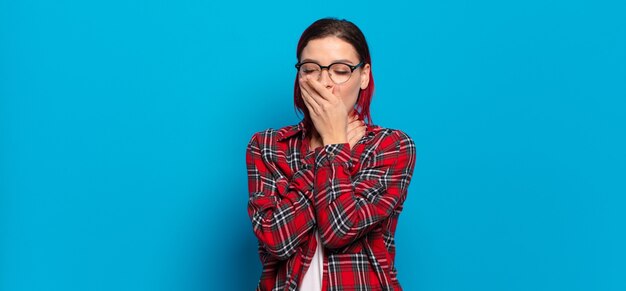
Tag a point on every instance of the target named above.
point(280, 209)
point(346, 207)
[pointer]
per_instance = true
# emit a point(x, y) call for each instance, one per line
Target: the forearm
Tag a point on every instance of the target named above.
point(279, 208)
point(348, 207)
point(281, 225)
point(336, 206)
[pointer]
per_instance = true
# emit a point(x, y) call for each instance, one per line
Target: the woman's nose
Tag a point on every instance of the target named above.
point(325, 79)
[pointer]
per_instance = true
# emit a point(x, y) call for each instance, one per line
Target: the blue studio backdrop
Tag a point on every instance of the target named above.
point(124, 124)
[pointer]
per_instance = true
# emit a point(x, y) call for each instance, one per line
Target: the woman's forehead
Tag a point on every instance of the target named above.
point(329, 49)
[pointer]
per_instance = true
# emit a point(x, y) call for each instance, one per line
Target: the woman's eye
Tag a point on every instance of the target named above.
point(341, 72)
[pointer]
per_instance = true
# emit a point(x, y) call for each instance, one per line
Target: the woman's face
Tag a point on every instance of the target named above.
point(331, 49)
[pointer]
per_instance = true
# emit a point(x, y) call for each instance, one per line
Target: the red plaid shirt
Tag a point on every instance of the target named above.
point(352, 197)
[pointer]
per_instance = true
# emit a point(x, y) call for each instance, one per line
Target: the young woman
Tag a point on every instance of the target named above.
point(325, 194)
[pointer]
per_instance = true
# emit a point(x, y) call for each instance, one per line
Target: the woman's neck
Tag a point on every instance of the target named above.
point(315, 139)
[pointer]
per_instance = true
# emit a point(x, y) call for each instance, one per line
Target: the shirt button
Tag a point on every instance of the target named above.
point(331, 155)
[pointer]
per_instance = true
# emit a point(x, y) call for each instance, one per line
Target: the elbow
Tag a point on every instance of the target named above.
point(280, 253)
point(277, 249)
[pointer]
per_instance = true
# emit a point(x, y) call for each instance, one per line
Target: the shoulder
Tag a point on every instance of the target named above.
point(269, 136)
point(390, 144)
point(384, 136)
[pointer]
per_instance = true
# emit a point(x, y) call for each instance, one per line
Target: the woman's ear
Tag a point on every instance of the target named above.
point(365, 76)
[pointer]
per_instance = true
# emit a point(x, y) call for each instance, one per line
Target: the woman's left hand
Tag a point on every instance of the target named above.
point(328, 112)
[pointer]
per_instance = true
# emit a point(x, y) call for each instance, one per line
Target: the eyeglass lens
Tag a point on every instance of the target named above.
point(339, 73)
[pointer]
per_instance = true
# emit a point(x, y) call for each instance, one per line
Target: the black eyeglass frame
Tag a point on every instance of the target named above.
point(352, 68)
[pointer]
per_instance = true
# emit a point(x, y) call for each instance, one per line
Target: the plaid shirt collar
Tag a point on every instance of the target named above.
point(292, 130)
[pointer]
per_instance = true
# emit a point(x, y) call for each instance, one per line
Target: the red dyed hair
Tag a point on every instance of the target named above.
point(350, 33)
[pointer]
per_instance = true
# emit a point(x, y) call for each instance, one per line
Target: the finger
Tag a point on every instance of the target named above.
point(312, 94)
point(306, 94)
point(353, 124)
point(310, 104)
point(363, 131)
point(307, 99)
point(352, 131)
point(356, 136)
point(321, 89)
point(358, 132)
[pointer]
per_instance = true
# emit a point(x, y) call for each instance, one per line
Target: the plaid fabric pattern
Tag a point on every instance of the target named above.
point(351, 196)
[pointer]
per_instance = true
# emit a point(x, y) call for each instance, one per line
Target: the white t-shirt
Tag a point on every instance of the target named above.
point(312, 280)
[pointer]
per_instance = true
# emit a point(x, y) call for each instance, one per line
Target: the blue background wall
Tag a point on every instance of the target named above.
point(123, 127)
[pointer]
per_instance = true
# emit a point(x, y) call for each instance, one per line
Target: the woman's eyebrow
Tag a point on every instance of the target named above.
point(335, 61)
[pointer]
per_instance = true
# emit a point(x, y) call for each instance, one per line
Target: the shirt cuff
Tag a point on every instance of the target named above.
point(332, 153)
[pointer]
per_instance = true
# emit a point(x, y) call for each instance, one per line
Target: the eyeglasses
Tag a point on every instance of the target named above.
point(338, 72)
